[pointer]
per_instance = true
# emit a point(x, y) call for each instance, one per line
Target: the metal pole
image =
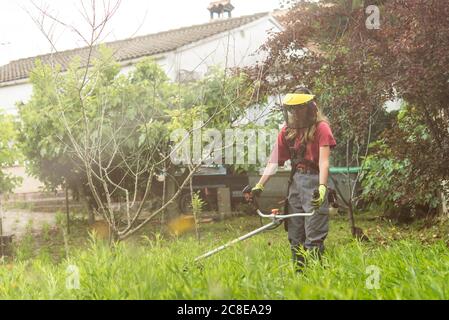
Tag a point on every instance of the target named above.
point(276, 221)
point(246, 236)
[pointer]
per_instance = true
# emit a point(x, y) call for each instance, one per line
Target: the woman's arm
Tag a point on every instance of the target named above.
point(325, 152)
point(270, 169)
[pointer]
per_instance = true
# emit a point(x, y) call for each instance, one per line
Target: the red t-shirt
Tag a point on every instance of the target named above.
point(323, 137)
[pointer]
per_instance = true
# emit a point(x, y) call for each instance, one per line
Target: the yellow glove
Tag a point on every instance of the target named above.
point(319, 199)
point(257, 190)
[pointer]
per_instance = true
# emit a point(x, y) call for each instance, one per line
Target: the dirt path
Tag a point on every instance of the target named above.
point(17, 222)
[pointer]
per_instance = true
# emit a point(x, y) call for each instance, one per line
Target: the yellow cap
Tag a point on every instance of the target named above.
point(293, 99)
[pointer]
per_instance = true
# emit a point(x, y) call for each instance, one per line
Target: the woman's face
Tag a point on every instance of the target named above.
point(299, 117)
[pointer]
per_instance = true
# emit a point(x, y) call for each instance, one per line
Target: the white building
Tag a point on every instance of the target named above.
point(183, 53)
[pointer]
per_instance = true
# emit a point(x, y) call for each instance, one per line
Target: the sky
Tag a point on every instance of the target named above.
point(20, 37)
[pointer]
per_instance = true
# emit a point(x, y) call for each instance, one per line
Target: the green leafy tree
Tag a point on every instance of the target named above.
point(218, 101)
point(108, 134)
point(9, 152)
point(388, 179)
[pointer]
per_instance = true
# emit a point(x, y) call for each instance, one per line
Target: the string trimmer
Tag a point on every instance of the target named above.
point(276, 221)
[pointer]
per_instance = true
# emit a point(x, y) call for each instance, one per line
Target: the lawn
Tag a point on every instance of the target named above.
point(399, 262)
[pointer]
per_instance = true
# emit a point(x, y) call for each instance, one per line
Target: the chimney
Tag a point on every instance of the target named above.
point(220, 7)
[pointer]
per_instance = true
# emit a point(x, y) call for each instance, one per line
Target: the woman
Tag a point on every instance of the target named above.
point(306, 139)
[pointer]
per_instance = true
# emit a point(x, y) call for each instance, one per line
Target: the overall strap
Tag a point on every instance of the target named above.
point(297, 156)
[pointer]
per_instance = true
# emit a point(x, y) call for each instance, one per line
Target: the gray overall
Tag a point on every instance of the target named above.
point(308, 233)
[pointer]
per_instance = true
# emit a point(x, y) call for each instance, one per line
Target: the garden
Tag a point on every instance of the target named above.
point(115, 144)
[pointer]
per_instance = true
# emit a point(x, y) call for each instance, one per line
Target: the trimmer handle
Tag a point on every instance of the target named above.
point(316, 194)
point(246, 190)
point(249, 197)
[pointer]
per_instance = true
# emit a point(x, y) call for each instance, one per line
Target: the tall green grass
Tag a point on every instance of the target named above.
point(259, 268)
